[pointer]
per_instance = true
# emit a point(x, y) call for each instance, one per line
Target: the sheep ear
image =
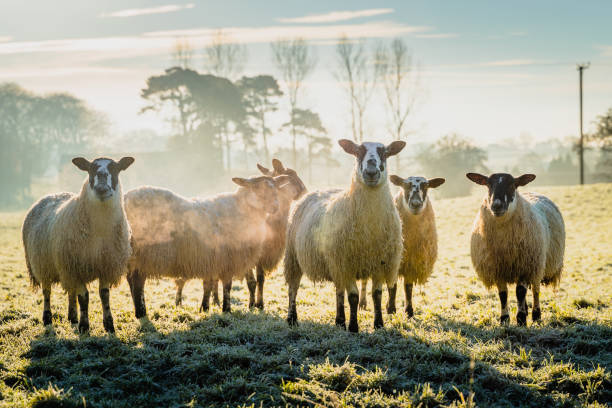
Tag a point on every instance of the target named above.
point(263, 170)
point(349, 146)
point(125, 162)
point(524, 179)
point(280, 181)
point(242, 182)
point(82, 163)
point(278, 166)
point(397, 180)
point(394, 148)
point(435, 182)
point(478, 178)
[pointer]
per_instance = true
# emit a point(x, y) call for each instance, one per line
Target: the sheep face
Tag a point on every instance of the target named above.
point(415, 191)
point(371, 166)
point(262, 192)
point(502, 190)
point(103, 175)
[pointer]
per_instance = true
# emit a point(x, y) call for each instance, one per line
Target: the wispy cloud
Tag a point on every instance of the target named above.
point(334, 16)
point(437, 35)
point(160, 42)
point(170, 8)
point(510, 63)
point(5, 38)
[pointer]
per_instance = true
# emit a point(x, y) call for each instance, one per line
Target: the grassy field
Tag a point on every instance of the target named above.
point(452, 353)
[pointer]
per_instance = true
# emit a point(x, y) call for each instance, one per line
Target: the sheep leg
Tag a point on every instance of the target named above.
point(180, 284)
point(521, 315)
point(261, 277)
point(47, 305)
point(340, 317)
point(391, 302)
point(363, 295)
point(252, 285)
point(227, 288)
point(72, 308)
point(83, 298)
point(377, 299)
point(137, 282)
point(536, 314)
point(293, 275)
point(107, 316)
point(408, 290)
point(215, 292)
point(502, 289)
point(353, 299)
point(207, 286)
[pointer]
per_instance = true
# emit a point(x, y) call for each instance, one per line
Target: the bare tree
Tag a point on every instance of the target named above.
point(358, 76)
point(224, 57)
point(182, 53)
point(398, 75)
point(295, 60)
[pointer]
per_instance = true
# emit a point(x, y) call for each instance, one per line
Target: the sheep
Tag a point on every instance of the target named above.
point(419, 236)
point(274, 243)
point(517, 238)
point(75, 239)
point(346, 235)
point(210, 239)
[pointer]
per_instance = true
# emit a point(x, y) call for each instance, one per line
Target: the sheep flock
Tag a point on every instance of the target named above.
point(359, 233)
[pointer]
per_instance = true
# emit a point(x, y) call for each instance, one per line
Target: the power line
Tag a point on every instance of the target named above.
point(581, 68)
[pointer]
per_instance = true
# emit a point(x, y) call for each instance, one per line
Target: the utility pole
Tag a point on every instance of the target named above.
point(581, 67)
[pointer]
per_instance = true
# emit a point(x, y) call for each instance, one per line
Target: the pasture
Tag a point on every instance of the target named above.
point(452, 353)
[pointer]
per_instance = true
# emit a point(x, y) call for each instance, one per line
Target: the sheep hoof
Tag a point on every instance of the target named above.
point(409, 311)
point(47, 317)
point(292, 320)
point(378, 324)
point(259, 305)
point(84, 327)
point(353, 327)
point(141, 313)
point(521, 319)
point(72, 317)
point(363, 305)
point(109, 326)
point(504, 320)
point(391, 309)
point(178, 302)
point(341, 323)
point(536, 315)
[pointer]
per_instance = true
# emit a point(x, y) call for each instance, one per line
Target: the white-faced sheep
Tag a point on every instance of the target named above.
point(75, 239)
point(346, 235)
point(274, 242)
point(210, 239)
point(517, 238)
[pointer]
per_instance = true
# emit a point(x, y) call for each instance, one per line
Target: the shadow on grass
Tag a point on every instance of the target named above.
point(255, 358)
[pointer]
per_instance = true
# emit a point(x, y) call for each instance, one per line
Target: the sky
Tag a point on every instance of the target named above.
point(490, 71)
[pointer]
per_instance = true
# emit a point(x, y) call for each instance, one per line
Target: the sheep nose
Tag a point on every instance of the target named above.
point(497, 205)
point(101, 188)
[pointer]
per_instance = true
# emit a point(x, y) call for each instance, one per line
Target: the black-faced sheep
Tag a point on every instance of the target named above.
point(517, 238)
point(76, 239)
point(210, 239)
point(346, 235)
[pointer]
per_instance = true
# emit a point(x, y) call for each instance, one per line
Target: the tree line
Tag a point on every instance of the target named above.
point(35, 127)
point(222, 115)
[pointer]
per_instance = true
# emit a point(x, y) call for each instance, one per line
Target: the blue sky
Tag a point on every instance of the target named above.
point(488, 70)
